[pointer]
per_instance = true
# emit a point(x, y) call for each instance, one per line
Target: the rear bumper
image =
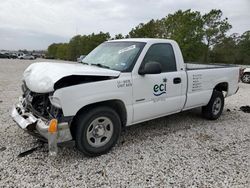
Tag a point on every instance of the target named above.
point(36, 126)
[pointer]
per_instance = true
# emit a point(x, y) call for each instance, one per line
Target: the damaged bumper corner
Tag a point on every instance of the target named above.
point(36, 126)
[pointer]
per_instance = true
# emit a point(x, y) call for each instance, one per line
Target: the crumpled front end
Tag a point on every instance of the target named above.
point(33, 113)
point(41, 77)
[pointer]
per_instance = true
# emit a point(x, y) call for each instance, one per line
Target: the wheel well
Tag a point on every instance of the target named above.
point(117, 105)
point(221, 87)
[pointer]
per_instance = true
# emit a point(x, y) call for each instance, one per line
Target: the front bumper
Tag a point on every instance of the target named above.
point(37, 126)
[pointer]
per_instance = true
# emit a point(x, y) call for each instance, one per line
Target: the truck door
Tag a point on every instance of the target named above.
point(156, 95)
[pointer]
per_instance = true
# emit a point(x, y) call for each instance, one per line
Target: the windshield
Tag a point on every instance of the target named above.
point(119, 56)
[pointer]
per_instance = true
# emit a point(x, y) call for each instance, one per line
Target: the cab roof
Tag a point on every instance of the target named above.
point(146, 40)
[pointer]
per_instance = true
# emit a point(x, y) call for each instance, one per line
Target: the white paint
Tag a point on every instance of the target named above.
point(41, 77)
point(246, 70)
point(134, 90)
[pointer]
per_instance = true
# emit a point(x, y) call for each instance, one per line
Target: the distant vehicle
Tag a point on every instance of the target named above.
point(36, 55)
point(245, 78)
point(26, 56)
point(13, 55)
point(79, 60)
point(4, 55)
point(20, 54)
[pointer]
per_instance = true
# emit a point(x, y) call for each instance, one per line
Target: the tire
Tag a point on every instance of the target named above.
point(97, 131)
point(214, 108)
point(246, 78)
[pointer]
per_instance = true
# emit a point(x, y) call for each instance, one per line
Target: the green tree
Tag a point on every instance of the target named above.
point(119, 36)
point(186, 28)
point(82, 45)
point(148, 30)
point(227, 51)
point(215, 29)
point(201, 38)
point(75, 47)
point(52, 49)
point(89, 42)
point(183, 26)
point(244, 48)
point(62, 51)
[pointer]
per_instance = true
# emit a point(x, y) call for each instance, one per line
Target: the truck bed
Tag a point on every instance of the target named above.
point(202, 78)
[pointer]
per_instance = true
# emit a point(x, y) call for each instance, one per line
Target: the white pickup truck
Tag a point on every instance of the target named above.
point(120, 83)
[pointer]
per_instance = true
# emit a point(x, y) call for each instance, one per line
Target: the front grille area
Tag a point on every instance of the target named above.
point(39, 104)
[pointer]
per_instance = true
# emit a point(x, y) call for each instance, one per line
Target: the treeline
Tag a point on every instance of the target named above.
point(202, 38)
point(78, 45)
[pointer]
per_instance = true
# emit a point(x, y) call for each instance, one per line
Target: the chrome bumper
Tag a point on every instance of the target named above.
point(37, 126)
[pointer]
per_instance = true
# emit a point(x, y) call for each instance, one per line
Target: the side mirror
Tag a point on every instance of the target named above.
point(151, 67)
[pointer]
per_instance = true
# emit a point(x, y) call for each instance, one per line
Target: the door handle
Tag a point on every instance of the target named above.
point(177, 80)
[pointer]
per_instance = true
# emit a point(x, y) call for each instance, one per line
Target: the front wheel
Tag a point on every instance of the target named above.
point(97, 131)
point(214, 108)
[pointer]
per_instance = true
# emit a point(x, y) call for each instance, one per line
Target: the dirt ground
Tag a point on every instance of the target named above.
point(180, 150)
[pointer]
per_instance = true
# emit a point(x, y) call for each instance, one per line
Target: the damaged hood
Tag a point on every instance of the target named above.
point(41, 77)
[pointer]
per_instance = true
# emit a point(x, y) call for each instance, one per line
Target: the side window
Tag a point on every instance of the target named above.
point(163, 54)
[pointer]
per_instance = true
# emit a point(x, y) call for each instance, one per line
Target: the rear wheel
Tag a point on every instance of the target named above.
point(214, 108)
point(246, 78)
point(97, 131)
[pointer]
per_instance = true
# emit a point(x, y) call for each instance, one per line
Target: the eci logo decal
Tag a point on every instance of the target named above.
point(160, 89)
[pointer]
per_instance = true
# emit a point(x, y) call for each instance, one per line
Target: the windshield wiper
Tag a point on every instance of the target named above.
point(100, 65)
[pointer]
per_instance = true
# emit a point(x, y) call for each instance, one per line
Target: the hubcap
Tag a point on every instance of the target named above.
point(216, 106)
point(246, 78)
point(99, 131)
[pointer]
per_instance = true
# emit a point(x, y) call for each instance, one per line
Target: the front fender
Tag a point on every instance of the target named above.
point(73, 98)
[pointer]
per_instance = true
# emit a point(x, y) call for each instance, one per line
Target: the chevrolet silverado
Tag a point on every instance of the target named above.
point(118, 84)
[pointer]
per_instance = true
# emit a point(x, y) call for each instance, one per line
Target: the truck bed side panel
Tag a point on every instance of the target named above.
point(202, 82)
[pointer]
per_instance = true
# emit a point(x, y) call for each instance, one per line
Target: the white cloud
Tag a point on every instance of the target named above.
point(61, 19)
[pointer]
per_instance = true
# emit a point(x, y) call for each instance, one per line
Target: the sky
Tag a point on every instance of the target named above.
point(35, 24)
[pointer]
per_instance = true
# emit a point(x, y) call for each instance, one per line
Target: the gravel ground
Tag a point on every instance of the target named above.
point(180, 150)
